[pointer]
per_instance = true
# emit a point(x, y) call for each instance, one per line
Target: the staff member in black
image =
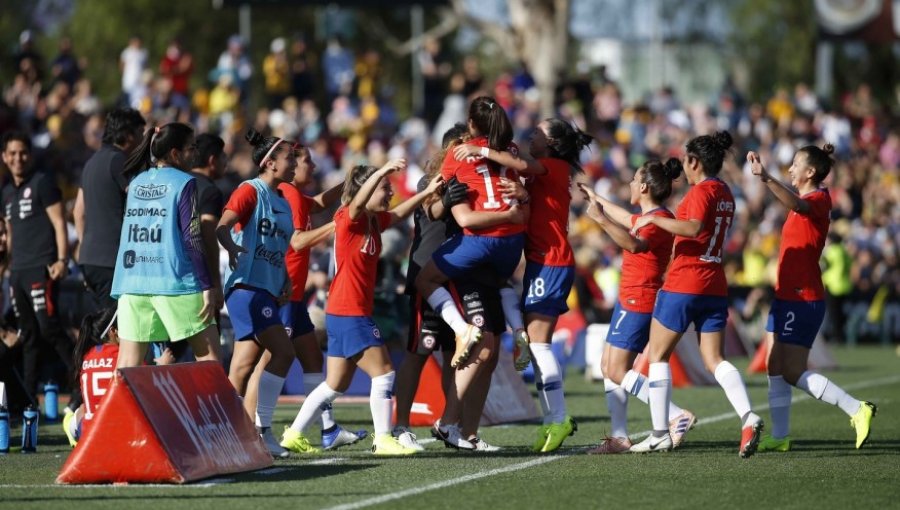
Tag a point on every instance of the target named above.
point(39, 257)
point(100, 205)
point(207, 165)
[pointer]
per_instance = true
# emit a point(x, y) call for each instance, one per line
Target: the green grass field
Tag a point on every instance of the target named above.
point(823, 471)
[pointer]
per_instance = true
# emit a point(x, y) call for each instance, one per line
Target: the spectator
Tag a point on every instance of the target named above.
point(65, 67)
point(337, 66)
point(132, 63)
point(302, 75)
point(276, 72)
point(177, 65)
point(234, 62)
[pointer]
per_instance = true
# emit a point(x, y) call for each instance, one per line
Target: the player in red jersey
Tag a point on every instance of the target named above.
point(96, 354)
point(499, 245)
point(695, 291)
point(550, 265)
point(799, 307)
point(645, 256)
point(353, 338)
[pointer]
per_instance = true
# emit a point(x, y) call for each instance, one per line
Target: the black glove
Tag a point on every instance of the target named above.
point(455, 192)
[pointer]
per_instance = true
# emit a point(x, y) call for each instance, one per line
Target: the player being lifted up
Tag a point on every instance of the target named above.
point(695, 291)
point(555, 146)
point(645, 256)
point(799, 307)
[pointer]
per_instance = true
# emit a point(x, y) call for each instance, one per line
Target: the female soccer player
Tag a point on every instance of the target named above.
point(550, 265)
point(161, 280)
point(645, 255)
point(695, 291)
point(353, 338)
point(500, 245)
point(799, 307)
point(256, 229)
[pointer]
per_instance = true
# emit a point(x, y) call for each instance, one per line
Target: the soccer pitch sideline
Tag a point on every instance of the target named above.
point(823, 471)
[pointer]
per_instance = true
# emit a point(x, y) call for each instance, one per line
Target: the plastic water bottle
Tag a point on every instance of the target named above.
point(29, 430)
point(4, 430)
point(51, 401)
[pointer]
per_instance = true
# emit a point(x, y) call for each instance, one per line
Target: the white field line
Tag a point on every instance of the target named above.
point(543, 460)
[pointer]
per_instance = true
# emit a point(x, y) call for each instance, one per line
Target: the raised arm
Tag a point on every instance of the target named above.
point(357, 206)
point(303, 239)
point(782, 192)
point(684, 228)
point(507, 159)
point(407, 207)
point(324, 199)
point(606, 207)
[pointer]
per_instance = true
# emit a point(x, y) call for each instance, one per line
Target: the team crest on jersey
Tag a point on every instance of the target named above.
point(290, 331)
point(478, 320)
point(428, 341)
point(26, 193)
point(376, 333)
point(267, 312)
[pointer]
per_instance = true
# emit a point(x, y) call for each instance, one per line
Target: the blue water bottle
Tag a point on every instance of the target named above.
point(4, 430)
point(51, 401)
point(29, 429)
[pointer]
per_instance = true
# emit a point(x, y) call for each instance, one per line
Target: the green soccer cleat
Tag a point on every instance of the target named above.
point(386, 444)
point(558, 432)
point(862, 421)
point(296, 442)
point(541, 440)
point(69, 429)
point(771, 444)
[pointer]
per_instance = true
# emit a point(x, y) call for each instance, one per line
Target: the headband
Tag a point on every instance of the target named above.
point(266, 157)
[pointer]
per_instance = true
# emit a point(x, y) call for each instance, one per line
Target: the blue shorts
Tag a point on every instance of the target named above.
point(629, 330)
point(677, 311)
point(349, 336)
point(547, 288)
point(796, 322)
point(461, 254)
point(251, 312)
point(295, 318)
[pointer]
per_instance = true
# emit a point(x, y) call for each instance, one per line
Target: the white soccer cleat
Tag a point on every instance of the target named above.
point(407, 438)
point(679, 426)
point(272, 444)
point(483, 446)
point(653, 444)
point(451, 436)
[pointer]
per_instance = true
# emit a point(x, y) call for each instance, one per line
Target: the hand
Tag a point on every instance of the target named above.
point(285, 295)
point(463, 151)
point(218, 298)
point(233, 253)
point(455, 192)
point(588, 193)
point(208, 312)
point(394, 165)
point(166, 358)
point(57, 270)
point(595, 212)
point(756, 166)
point(642, 222)
point(517, 214)
point(435, 184)
point(513, 189)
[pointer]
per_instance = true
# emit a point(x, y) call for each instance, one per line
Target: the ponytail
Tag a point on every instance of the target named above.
point(157, 143)
point(565, 141)
point(820, 159)
point(491, 121)
point(658, 177)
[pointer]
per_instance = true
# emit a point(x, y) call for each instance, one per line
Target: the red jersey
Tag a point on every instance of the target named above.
point(297, 262)
point(642, 273)
point(483, 178)
point(802, 241)
point(547, 241)
point(357, 245)
point(242, 202)
point(97, 370)
point(697, 262)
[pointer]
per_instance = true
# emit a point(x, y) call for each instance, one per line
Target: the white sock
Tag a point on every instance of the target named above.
point(322, 396)
point(510, 300)
point(380, 402)
point(545, 411)
point(780, 406)
point(617, 404)
point(730, 380)
point(551, 387)
point(636, 384)
point(821, 388)
point(312, 381)
point(442, 303)
point(660, 394)
point(269, 388)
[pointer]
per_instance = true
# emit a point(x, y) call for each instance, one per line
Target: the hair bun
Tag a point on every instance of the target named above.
point(723, 139)
point(582, 139)
point(254, 137)
point(673, 168)
point(828, 149)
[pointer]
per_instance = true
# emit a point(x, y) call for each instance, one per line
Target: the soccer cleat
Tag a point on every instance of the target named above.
point(464, 345)
point(482, 446)
point(386, 444)
point(653, 444)
point(521, 352)
point(451, 437)
point(407, 438)
point(272, 444)
point(680, 425)
point(750, 438)
point(558, 432)
point(297, 442)
point(611, 445)
point(771, 444)
point(541, 440)
point(862, 420)
point(68, 426)
point(340, 437)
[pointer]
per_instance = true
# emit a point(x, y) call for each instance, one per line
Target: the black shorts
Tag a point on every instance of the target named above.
point(480, 305)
